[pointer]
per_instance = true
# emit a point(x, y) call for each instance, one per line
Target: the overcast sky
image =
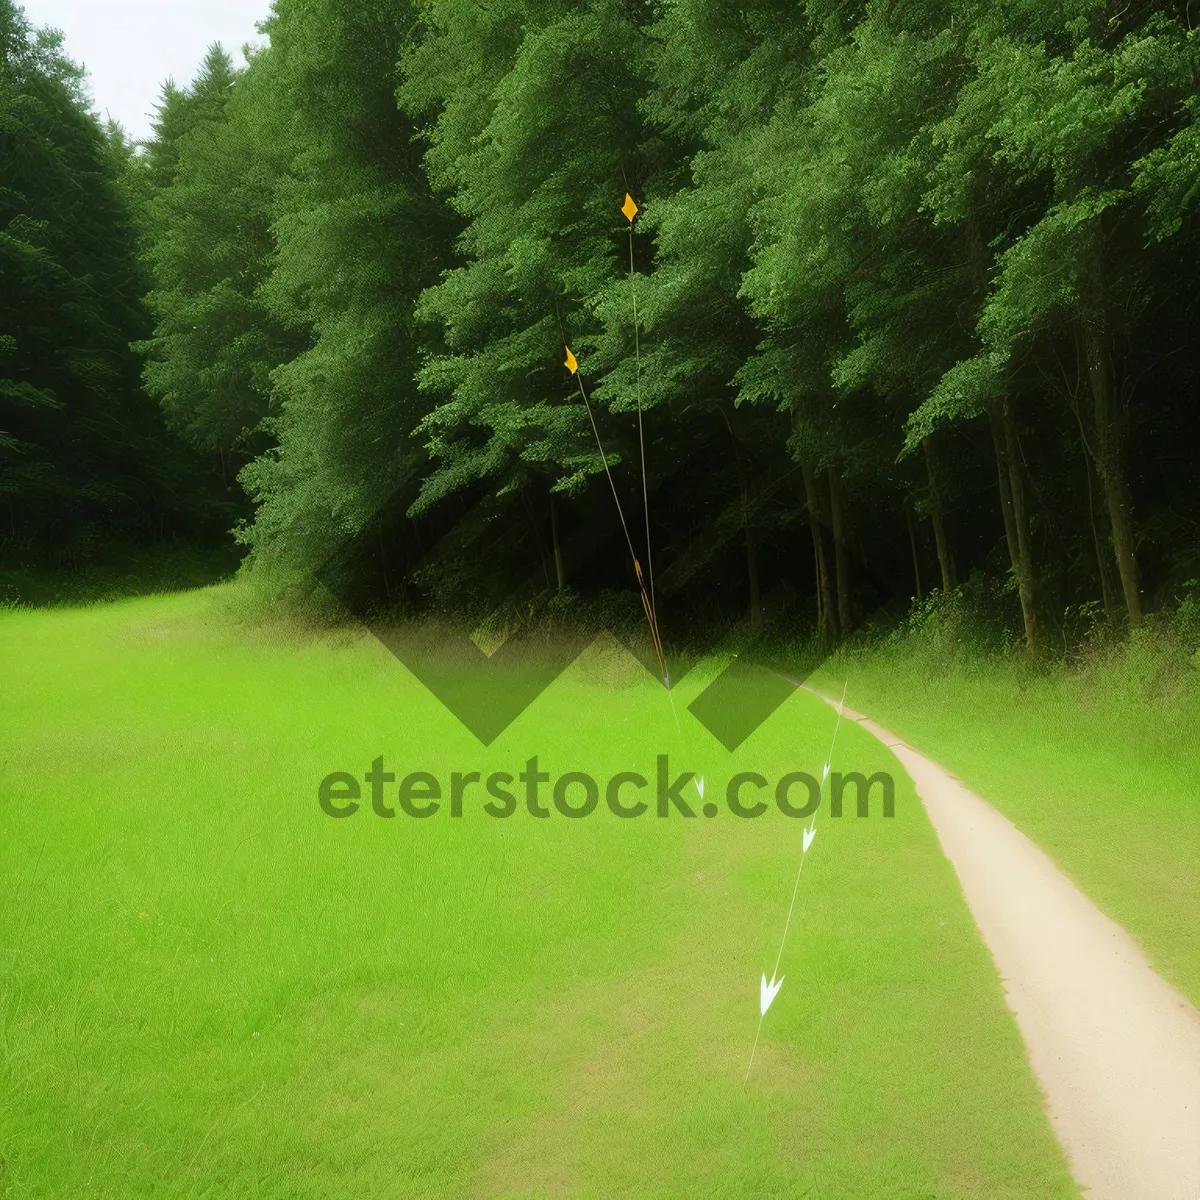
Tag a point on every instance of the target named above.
point(131, 46)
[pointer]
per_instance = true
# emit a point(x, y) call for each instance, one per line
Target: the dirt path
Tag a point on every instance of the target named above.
point(1115, 1049)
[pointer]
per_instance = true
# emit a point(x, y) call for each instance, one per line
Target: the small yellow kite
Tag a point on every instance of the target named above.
point(629, 208)
point(570, 364)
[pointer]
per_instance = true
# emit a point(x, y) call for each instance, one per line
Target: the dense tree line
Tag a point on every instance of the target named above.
point(910, 298)
point(85, 460)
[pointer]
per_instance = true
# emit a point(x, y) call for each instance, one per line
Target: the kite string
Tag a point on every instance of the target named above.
point(604, 460)
point(637, 351)
point(637, 566)
point(812, 824)
point(648, 598)
point(796, 885)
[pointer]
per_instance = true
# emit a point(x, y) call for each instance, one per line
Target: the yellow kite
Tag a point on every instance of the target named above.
point(570, 364)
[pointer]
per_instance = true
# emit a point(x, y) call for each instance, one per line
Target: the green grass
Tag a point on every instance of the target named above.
point(1099, 765)
point(210, 988)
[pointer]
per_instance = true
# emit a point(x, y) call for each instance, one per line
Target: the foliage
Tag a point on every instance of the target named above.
point(209, 248)
point(909, 297)
point(84, 460)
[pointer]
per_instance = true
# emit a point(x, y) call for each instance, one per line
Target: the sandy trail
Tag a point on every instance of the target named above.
point(1115, 1049)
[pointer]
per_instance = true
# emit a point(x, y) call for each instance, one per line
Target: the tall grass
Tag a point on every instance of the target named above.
point(1093, 752)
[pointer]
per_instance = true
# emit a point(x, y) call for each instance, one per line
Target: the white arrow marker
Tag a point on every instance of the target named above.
point(768, 991)
point(700, 786)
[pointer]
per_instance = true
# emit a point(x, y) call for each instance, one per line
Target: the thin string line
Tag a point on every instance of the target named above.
point(647, 606)
point(637, 351)
point(796, 885)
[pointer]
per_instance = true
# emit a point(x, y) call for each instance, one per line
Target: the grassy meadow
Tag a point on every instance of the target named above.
point(1098, 764)
point(210, 988)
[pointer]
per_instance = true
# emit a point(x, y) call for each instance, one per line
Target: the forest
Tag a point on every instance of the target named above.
point(362, 412)
point(868, 301)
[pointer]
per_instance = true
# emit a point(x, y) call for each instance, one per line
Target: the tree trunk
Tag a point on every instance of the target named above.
point(912, 544)
point(560, 574)
point(387, 581)
point(1110, 460)
point(1004, 480)
point(841, 557)
point(821, 618)
point(1090, 469)
point(1014, 505)
point(1020, 507)
point(751, 558)
point(945, 557)
point(826, 618)
point(756, 613)
point(1009, 464)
